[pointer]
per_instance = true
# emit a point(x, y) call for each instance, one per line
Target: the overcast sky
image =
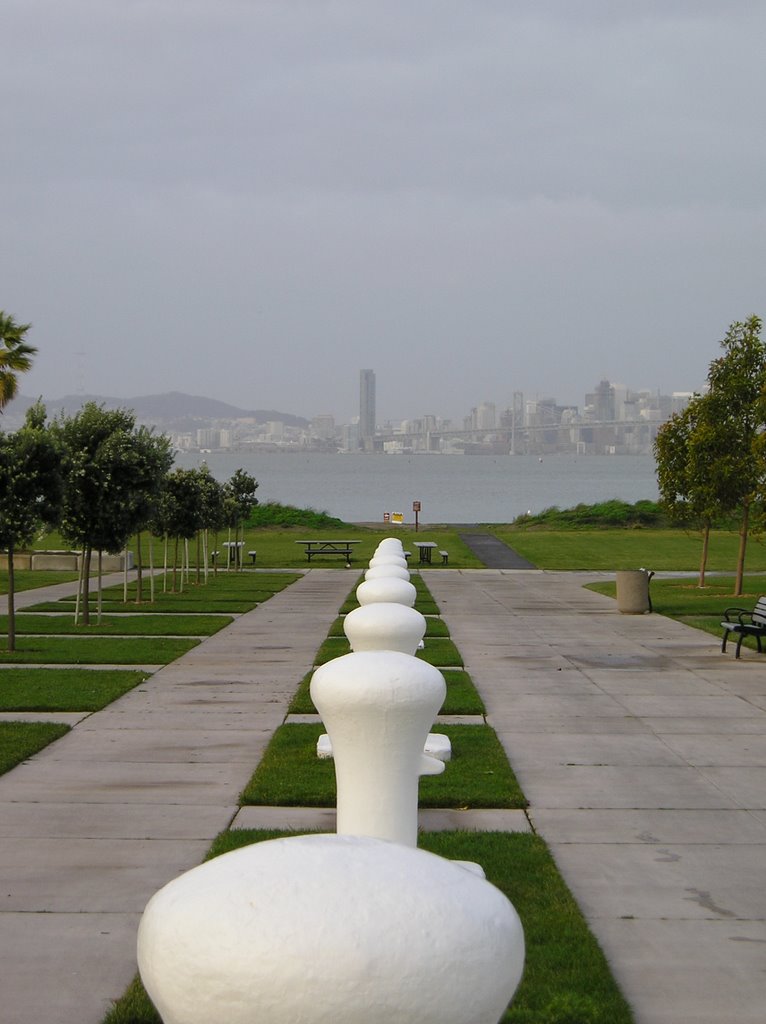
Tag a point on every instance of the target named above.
point(254, 199)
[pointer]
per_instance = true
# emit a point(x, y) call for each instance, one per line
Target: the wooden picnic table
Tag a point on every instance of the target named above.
point(425, 548)
point(343, 548)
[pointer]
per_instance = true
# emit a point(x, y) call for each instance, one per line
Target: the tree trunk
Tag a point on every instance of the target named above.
point(11, 600)
point(175, 564)
point(199, 568)
point(165, 567)
point(151, 568)
point(86, 555)
point(100, 587)
point(744, 529)
point(703, 557)
point(139, 570)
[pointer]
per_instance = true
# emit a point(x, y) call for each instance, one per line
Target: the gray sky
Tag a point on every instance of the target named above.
point(254, 199)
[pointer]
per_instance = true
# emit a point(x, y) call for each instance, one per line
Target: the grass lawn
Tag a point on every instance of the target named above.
point(628, 549)
point(566, 978)
point(439, 651)
point(96, 650)
point(290, 773)
point(226, 593)
point(119, 625)
point(29, 579)
point(19, 740)
point(46, 689)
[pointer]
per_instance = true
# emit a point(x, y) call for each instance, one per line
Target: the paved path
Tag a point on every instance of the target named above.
point(98, 821)
point(641, 748)
point(493, 552)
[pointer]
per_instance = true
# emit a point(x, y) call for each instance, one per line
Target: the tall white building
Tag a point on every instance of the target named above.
point(366, 407)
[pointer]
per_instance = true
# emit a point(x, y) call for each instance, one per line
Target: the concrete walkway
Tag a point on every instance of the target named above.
point(641, 748)
point(91, 827)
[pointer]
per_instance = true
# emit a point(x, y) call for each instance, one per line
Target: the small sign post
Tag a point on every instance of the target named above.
point(416, 510)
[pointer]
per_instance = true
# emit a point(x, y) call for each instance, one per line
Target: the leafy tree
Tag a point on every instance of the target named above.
point(30, 493)
point(178, 513)
point(110, 473)
point(240, 501)
point(686, 450)
point(15, 356)
point(737, 404)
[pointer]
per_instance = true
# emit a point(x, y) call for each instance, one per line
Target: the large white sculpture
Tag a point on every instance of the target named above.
point(330, 930)
point(377, 707)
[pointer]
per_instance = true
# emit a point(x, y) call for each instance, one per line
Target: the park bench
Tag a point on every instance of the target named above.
point(746, 623)
point(445, 557)
point(253, 556)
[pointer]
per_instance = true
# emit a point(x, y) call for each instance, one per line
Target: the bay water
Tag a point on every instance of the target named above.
point(360, 488)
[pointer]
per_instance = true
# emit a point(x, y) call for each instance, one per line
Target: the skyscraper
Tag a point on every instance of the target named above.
point(366, 408)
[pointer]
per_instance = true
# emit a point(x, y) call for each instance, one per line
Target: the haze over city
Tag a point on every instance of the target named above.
point(251, 201)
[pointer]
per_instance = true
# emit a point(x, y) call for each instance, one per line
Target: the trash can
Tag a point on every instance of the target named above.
point(633, 591)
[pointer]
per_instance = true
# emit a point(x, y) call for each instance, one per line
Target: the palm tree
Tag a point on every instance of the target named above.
point(15, 356)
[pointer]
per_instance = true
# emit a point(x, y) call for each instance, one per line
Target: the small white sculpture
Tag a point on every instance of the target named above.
point(382, 572)
point(387, 589)
point(390, 544)
point(384, 627)
point(327, 929)
point(377, 707)
point(381, 560)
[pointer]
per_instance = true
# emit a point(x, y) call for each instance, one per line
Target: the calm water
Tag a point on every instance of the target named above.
point(451, 489)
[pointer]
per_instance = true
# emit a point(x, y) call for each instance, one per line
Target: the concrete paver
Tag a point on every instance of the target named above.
point(100, 820)
point(642, 750)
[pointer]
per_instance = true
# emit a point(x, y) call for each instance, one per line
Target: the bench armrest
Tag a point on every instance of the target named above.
point(739, 612)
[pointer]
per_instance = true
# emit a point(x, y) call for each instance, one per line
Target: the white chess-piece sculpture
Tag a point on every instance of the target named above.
point(390, 544)
point(384, 627)
point(382, 560)
point(377, 707)
point(382, 572)
point(327, 929)
point(386, 589)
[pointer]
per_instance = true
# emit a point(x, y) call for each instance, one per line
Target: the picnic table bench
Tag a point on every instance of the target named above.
point(746, 623)
point(341, 548)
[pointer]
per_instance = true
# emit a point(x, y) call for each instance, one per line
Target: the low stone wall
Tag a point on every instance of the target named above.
point(66, 561)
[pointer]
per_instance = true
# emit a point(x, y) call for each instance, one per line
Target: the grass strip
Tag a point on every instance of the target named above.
point(48, 689)
point(119, 625)
point(291, 775)
point(97, 650)
point(20, 740)
point(462, 696)
point(566, 977)
point(33, 579)
point(439, 651)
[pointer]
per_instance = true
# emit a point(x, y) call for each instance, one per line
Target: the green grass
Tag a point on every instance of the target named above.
point(226, 593)
point(20, 740)
point(439, 651)
point(290, 774)
point(566, 977)
point(97, 650)
point(462, 697)
point(119, 625)
point(45, 689)
point(598, 549)
point(32, 579)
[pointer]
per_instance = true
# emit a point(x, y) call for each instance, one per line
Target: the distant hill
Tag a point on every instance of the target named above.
point(172, 410)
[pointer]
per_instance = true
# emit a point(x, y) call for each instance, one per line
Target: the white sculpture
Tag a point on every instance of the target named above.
point(381, 560)
point(326, 929)
point(382, 572)
point(386, 589)
point(377, 707)
point(384, 626)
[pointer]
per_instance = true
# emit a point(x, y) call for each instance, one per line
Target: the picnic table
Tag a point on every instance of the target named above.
point(425, 548)
point(343, 548)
